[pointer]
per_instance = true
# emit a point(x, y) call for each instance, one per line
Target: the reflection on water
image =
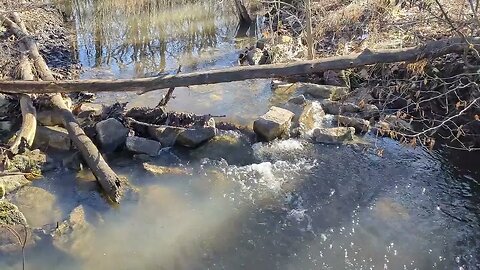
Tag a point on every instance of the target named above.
point(136, 38)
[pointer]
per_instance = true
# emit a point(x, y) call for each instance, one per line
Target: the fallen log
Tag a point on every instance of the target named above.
point(108, 179)
point(431, 49)
point(26, 135)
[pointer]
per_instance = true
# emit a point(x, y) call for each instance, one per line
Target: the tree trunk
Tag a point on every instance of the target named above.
point(367, 57)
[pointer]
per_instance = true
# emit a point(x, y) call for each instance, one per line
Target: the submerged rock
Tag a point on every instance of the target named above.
point(73, 161)
point(53, 137)
point(143, 146)
point(359, 124)
point(74, 235)
point(324, 91)
point(38, 205)
point(335, 107)
point(12, 217)
point(273, 124)
point(111, 134)
point(6, 126)
point(155, 169)
point(333, 135)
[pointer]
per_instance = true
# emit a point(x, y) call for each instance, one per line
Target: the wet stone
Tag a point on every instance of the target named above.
point(299, 100)
point(11, 183)
point(165, 135)
point(273, 124)
point(335, 107)
point(52, 137)
point(143, 146)
point(333, 135)
point(359, 124)
point(111, 134)
point(307, 117)
point(193, 137)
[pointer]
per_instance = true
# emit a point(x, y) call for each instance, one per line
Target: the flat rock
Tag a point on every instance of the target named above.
point(359, 124)
point(53, 136)
point(333, 135)
point(273, 124)
point(111, 134)
point(143, 146)
point(192, 137)
point(323, 91)
point(335, 107)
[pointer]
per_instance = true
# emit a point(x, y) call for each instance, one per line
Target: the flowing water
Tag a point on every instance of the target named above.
point(286, 204)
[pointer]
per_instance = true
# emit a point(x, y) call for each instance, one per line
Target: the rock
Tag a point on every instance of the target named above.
point(143, 146)
point(397, 123)
point(38, 205)
point(73, 161)
point(12, 217)
point(307, 117)
point(273, 124)
point(29, 162)
point(370, 111)
point(335, 107)
point(165, 135)
point(75, 234)
point(9, 183)
point(359, 124)
point(333, 135)
point(299, 100)
point(49, 118)
point(323, 91)
point(111, 134)
point(155, 169)
point(192, 137)
point(6, 126)
point(52, 136)
point(88, 109)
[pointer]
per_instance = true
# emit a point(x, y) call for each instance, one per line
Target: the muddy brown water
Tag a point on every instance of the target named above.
point(231, 205)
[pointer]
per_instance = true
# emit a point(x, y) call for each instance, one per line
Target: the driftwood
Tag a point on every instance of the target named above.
point(367, 57)
point(245, 18)
point(107, 178)
point(26, 135)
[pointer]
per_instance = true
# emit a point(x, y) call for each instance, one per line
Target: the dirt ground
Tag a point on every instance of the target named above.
point(54, 36)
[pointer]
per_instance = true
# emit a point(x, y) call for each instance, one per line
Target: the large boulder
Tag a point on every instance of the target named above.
point(143, 146)
point(333, 135)
point(359, 124)
point(53, 137)
point(273, 124)
point(192, 137)
point(324, 91)
point(335, 107)
point(111, 134)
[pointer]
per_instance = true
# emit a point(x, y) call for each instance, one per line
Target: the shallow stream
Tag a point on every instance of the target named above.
point(287, 204)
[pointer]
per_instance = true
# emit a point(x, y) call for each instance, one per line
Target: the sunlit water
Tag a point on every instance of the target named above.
point(286, 204)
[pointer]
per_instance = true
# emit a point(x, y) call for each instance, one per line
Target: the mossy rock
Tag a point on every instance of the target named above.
point(10, 215)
